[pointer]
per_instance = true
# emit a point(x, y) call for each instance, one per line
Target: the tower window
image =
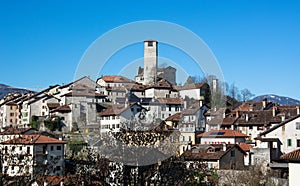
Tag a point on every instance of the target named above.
point(150, 44)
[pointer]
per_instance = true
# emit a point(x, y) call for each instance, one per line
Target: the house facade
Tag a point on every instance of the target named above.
point(32, 154)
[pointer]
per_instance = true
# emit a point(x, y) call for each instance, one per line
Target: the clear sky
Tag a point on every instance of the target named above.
point(256, 42)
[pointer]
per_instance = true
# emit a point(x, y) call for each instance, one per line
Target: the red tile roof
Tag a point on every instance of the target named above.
point(53, 105)
point(222, 134)
point(171, 101)
point(245, 146)
point(292, 156)
point(33, 139)
point(191, 86)
point(114, 110)
point(14, 130)
point(116, 79)
point(63, 108)
point(175, 117)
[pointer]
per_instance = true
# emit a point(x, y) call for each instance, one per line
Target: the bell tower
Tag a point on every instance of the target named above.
point(150, 62)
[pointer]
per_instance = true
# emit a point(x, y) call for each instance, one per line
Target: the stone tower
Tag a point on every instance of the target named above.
point(150, 62)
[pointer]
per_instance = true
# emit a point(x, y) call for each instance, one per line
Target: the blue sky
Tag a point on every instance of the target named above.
point(255, 42)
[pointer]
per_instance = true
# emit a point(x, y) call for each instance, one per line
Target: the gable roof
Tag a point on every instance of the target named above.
point(33, 139)
point(15, 130)
point(116, 79)
point(278, 125)
point(245, 146)
point(63, 108)
point(222, 134)
point(175, 117)
point(116, 110)
point(204, 154)
point(191, 86)
point(171, 101)
point(292, 156)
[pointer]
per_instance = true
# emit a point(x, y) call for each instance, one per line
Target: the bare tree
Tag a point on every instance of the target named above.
point(246, 94)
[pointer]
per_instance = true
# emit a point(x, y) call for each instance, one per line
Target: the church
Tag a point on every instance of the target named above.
point(150, 74)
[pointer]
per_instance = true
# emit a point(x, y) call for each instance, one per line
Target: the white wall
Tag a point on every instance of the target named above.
point(294, 169)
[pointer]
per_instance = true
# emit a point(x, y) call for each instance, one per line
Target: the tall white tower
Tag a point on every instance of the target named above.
point(150, 62)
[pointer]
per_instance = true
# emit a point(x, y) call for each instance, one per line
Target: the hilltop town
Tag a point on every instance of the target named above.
point(44, 135)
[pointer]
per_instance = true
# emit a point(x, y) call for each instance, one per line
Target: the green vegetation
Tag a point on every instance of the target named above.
point(34, 122)
point(53, 124)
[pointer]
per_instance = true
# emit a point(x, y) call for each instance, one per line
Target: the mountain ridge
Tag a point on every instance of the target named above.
point(282, 100)
point(6, 89)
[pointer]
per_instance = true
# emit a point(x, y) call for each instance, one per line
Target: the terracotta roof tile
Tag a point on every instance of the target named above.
point(245, 146)
point(292, 156)
point(190, 86)
point(63, 108)
point(116, 79)
point(171, 101)
point(33, 139)
point(222, 134)
point(114, 110)
point(14, 130)
point(175, 117)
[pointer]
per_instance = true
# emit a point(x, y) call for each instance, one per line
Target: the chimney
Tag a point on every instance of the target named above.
point(282, 117)
point(264, 102)
point(274, 111)
point(126, 102)
point(200, 103)
point(298, 110)
point(224, 147)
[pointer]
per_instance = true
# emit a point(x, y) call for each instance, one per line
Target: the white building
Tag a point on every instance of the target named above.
point(222, 136)
point(117, 115)
point(287, 134)
point(293, 159)
point(32, 154)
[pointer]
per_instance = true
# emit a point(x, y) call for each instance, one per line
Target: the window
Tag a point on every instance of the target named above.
point(298, 143)
point(58, 147)
point(28, 150)
point(11, 114)
point(150, 44)
point(297, 125)
point(57, 168)
point(183, 138)
point(289, 142)
point(51, 148)
point(170, 108)
point(190, 138)
point(232, 153)
point(20, 148)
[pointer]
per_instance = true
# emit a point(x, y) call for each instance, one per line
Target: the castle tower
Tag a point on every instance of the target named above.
point(150, 62)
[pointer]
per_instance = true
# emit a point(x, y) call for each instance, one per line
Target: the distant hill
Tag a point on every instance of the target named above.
point(5, 89)
point(277, 99)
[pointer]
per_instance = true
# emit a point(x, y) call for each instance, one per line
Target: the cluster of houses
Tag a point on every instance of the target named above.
point(255, 133)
